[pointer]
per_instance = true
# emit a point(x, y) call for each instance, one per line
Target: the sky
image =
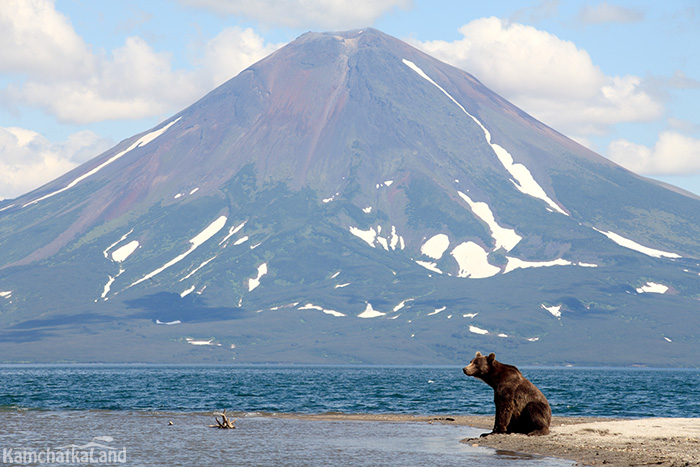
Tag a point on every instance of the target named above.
point(78, 76)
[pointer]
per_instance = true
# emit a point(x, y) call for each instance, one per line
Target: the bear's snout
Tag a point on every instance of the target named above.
point(468, 370)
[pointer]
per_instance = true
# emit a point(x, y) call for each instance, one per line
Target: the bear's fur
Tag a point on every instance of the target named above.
point(520, 406)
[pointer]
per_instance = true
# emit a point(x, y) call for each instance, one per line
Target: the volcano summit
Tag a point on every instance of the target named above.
point(350, 199)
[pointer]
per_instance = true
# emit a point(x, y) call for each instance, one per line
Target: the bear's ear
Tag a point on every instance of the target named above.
point(478, 354)
point(491, 357)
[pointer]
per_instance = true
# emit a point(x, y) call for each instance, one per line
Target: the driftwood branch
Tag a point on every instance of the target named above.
point(225, 423)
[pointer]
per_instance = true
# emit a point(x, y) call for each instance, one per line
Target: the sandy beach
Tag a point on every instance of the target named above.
point(586, 441)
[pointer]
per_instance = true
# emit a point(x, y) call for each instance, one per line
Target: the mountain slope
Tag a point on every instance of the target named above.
point(350, 199)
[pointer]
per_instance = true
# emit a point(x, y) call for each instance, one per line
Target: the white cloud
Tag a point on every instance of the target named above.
point(683, 126)
point(617, 100)
point(673, 154)
point(134, 81)
point(325, 14)
point(51, 68)
point(607, 13)
point(520, 59)
point(38, 40)
point(680, 80)
point(28, 160)
point(536, 13)
point(230, 52)
point(548, 77)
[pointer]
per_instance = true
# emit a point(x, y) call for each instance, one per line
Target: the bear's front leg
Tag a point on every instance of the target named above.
point(504, 412)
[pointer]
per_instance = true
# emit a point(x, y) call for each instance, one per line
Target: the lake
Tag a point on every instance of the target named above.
point(114, 410)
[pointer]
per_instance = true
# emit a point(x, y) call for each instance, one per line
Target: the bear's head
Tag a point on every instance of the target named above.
point(480, 365)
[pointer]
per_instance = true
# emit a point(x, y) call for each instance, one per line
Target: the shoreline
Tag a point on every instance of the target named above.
point(667, 442)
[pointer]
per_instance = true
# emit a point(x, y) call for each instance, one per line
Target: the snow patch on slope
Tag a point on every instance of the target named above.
point(106, 251)
point(373, 237)
point(187, 292)
point(429, 266)
point(506, 238)
point(193, 341)
point(121, 254)
point(370, 312)
point(632, 245)
point(144, 140)
point(517, 263)
point(471, 258)
point(524, 181)
point(204, 263)
point(403, 304)
point(169, 323)
point(367, 235)
point(108, 285)
point(241, 240)
point(254, 282)
point(435, 246)
point(553, 310)
point(211, 230)
point(328, 200)
point(396, 240)
point(232, 231)
point(653, 287)
point(473, 261)
point(311, 306)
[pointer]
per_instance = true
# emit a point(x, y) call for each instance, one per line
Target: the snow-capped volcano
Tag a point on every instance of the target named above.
point(350, 199)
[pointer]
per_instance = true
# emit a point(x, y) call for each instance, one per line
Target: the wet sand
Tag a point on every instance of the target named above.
point(588, 441)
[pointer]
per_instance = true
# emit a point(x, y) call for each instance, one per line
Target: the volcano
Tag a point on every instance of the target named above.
point(350, 199)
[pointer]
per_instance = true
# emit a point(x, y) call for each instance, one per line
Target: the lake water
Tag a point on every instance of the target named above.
point(125, 410)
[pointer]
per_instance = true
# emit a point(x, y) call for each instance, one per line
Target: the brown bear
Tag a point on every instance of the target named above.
point(520, 406)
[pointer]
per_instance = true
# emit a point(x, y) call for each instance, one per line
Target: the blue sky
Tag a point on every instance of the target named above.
point(78, 76)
